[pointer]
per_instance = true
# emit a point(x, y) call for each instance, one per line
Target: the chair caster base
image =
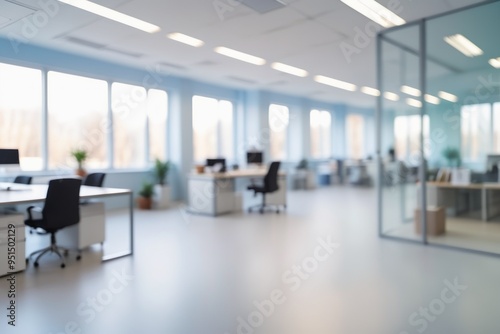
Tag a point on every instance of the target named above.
point(35, 264)
point(78, 257)
point(63, 265)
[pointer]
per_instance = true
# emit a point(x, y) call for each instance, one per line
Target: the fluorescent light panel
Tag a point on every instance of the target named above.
point(464, 45)
point(495, 62)
point(375, 12)
point(112, 15)
point(289, 69)
point(182, 38)
point(370, 91)
point(410, 91)
point(413, 103)
point(335, 83)
point(447, 96)
point(391, 96)
point(431, 99)
point(239, 55)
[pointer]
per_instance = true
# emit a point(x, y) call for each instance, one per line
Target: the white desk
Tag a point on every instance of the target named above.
point(437, 195)
point(215, 193)
point(38, 192)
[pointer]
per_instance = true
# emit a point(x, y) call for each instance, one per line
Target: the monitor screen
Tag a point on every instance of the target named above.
point(213, 162)
point(9, 156)
point(255, 157)
point(492, 160)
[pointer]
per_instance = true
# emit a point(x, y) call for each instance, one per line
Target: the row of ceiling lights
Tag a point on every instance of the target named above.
point(370, 8)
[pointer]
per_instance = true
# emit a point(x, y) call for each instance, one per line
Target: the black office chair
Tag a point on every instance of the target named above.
point(94, 180)
point(269, 185)
point(23, 179)
point(61, 209)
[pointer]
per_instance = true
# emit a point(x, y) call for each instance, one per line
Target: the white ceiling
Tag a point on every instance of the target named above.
point(306, 34)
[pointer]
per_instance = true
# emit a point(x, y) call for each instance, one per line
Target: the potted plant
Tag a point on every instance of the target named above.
point(144, 201)
point(80, 157)
point(452, 156)
point(161, 189)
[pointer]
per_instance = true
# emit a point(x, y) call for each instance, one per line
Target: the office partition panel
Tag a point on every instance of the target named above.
point(437, 119)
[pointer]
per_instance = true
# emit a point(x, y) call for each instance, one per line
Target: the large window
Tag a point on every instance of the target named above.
point(278, 124)
point(355, 131)
point(212, 129)
point(157, 107)
point(77, 108)
point(476, 132)
point(407, 137)
point(21, 113)
point(321, 134)
point(129, 125)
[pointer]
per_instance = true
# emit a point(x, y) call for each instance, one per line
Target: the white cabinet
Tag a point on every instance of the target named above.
point(12, 239)
point(90, 230)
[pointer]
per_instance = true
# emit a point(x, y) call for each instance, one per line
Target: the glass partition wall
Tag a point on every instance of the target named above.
point(438, 124)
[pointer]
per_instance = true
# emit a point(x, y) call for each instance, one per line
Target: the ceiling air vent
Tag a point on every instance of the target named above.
point(263, 6)
point(84, 42)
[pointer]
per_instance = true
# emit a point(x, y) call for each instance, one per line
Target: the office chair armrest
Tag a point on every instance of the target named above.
point(34, 212)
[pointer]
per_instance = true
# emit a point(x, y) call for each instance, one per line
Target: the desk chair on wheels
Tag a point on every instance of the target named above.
point(269, 185)
point(94, 180)
point(61, 209)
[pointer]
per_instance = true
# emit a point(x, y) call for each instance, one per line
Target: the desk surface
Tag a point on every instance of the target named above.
point(38, 193)
point(240, 173)
point(488, 185)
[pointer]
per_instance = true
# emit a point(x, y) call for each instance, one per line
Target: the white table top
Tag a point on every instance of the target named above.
point(38, 193)
point(241, 173)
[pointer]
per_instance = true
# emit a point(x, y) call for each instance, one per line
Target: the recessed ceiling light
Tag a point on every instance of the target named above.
point(335, 83)
point(391, 96)
point(495, 62)
point(414, 103)
point(447, 96)
point(375, 12)
point(289, 69)
point(177, 36)
point(462, 44)
point(239, 55)
point(370, 91)
point(410, 91)
point(112, 15)
point(431, 99)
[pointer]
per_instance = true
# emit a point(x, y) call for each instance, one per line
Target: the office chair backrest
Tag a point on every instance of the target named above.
point(271, 178)
point(94, 180)
point(23, 179)
point(62, 204)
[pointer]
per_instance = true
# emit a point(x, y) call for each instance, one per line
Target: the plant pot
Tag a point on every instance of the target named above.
point(200, 169)
point(144, 203)
point(161, 196)
point(81, 172)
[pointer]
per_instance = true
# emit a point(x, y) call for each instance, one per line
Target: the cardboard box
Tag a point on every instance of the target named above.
point(436, 221)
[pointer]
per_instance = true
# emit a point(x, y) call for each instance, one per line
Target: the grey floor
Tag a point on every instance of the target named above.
point(193, 274)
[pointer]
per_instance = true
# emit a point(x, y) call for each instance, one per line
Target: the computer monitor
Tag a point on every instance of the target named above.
point(219, 161)
point(9, 160)
point(255, 157)
point(491, 161)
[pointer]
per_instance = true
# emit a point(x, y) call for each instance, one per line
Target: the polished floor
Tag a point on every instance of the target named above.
point(319, 268)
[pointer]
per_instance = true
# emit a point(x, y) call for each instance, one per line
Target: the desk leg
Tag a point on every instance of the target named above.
point(131, 251)
point(484, 204)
